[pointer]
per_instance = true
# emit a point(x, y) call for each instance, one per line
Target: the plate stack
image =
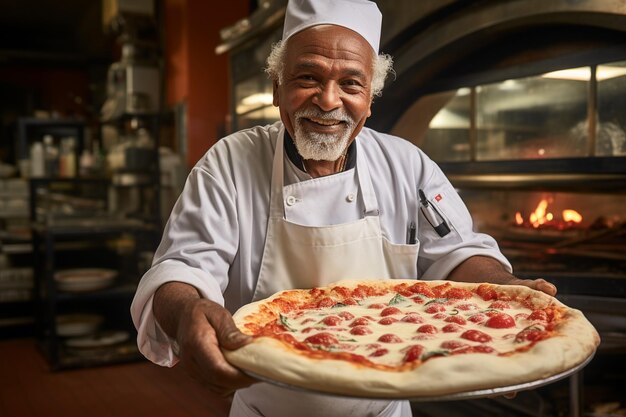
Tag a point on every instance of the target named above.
point(86, 279)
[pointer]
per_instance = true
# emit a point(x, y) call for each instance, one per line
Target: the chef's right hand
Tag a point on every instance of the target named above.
point(201, 327)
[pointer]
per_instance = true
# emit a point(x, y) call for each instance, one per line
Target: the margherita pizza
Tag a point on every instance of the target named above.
point(409, 339)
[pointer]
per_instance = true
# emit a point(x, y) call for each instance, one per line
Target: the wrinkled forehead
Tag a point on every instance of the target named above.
point(330, 42)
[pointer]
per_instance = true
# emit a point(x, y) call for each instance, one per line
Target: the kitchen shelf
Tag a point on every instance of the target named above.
point(103, 241)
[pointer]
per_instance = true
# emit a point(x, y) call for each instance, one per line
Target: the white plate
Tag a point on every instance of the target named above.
point(71, 325)
point(85, 279)
point(103, 339)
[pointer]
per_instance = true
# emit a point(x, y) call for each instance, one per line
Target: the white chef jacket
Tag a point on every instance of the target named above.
point(215, 235)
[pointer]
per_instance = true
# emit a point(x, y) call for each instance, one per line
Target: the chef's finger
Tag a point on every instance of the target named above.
point(228, 335)
point(544, 286)
point(210, 366)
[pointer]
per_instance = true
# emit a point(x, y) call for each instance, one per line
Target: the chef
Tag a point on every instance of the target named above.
point(309, 200)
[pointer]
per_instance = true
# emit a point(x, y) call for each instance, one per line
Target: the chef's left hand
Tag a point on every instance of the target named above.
point(539, 284)
point(487, 269)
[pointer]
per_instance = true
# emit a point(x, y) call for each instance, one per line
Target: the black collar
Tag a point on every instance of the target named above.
point(296, 159)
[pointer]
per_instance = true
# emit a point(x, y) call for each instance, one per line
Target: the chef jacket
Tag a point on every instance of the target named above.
point(215, 235)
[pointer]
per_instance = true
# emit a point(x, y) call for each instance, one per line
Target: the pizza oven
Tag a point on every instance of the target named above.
point(522, 104)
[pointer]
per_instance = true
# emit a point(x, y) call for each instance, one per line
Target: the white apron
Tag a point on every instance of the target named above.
point(297, 256)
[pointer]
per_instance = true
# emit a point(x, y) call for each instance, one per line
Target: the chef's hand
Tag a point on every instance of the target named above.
point(539, 284)
point(201, 327)
point(487, 269)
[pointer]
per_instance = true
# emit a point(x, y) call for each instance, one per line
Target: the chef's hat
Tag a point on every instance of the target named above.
point(361, 16)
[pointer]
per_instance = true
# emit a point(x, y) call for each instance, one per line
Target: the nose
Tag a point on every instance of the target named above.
point(328, 98)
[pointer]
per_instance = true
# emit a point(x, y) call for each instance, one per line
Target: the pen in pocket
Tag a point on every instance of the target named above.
point(433, 217)
point(411, 238)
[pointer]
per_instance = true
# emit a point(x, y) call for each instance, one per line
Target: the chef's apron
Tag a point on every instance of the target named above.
point(297, 256)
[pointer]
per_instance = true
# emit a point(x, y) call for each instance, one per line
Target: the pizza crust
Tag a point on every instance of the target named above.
point(273, 360)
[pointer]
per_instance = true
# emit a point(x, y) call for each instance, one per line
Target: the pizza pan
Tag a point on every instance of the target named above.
point(468, 395)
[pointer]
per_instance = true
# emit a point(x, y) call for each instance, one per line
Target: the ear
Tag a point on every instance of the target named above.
point(275, 93)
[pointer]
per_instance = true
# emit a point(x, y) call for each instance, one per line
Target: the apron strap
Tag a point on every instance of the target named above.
point(277, 208)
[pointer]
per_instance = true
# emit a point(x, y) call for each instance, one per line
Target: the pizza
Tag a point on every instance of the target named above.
point(411, 339)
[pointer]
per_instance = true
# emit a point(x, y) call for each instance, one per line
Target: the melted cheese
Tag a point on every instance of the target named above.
point(305, 323)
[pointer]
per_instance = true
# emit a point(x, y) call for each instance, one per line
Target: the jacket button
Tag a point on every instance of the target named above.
point(350, 198)
point(291, 200)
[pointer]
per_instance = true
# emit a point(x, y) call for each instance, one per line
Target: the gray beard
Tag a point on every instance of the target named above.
point(320, 146)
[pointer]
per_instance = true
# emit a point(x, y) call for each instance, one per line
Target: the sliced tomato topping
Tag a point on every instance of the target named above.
point(379, 352)
point(539, 315)
point(439, 290)
point(377, 305)
point(531, 335)
point(477, 318)
point(451, 328)
point(361, 330)
point(346, 315)
point(323, 339)
point(413, 353)
point(325, 302)
point(387, 321)
point(486, 292)
point(435, 308)
point(390, 311)
point(440, 316)
point(361, 321)
point(458, 293)
point(499, 305)
point(389, 338)
point(412, 318)
point(423, 289)
point(476, 336)
point(331, 320)
point(453, 344)
point(456, 319)
point(427, 328)
point(500, 321)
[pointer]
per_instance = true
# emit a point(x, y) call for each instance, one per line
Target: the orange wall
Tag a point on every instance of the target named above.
point(194, 72)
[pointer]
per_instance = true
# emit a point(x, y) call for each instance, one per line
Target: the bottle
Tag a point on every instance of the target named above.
point(67, 158)
point(51, 156)
point(37, 160)
point(86, 163)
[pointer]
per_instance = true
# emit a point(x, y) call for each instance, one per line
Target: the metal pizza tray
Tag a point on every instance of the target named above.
point(467, 395)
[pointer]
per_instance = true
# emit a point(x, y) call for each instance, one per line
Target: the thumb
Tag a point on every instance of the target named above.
point(228, 335)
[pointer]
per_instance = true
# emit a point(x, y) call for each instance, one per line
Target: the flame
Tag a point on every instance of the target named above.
point(572, 216)
point(541, 216)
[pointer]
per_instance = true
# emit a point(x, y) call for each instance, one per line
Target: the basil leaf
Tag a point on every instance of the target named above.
point(345, 339)
point(285, 322)
point(397, 299)
point(454, 312)
point(437, 300)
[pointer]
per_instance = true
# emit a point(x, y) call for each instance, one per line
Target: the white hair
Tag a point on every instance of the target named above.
point(382, 66)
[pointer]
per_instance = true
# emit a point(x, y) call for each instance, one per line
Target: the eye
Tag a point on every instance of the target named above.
point(352, 85)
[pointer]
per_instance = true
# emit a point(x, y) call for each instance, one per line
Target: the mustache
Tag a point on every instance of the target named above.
point(313, 112)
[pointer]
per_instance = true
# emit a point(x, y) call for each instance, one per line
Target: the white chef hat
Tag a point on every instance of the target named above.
point(361, 16)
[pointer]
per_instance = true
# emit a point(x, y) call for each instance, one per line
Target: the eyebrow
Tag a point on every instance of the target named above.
point(313, 66)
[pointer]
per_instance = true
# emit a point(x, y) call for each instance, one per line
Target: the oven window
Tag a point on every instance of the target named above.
point(532, 118)
point(539, 117)
point(440, 125)
point(610, 131)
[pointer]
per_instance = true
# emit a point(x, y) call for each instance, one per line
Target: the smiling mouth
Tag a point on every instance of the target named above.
point(324, 122)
